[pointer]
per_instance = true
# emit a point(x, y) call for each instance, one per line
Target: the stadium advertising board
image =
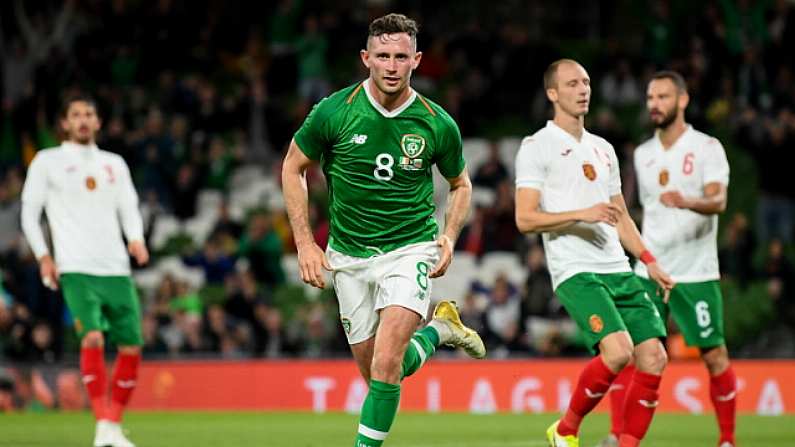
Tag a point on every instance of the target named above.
point(765, 387)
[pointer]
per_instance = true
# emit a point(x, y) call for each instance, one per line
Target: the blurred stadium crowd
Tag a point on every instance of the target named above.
point(202, 97)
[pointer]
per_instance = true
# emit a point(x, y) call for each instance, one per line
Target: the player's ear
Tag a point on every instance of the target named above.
point(65, 125)
point(365, 55)
point(552, 95)
point(416, 61)
point(684, 100)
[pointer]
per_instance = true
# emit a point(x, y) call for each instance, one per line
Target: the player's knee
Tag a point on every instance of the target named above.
point(385, 367)
point(130, 350)
point(653, 361)
point(716, 359)
point(618, 357)
point(93, 339)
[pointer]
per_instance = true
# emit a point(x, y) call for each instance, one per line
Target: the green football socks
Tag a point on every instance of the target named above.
point(381, 404)
point(421, 347)
point(378, 412)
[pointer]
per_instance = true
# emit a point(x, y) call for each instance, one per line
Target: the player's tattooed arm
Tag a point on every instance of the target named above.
point(712, 202)
point(457, 209)
point(311, 258)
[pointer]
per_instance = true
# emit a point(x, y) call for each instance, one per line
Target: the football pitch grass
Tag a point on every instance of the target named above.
point(271, 429)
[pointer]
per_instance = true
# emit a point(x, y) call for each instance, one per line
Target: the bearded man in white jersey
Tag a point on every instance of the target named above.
point(683, 176)
point(568, 187)
point(89, 199)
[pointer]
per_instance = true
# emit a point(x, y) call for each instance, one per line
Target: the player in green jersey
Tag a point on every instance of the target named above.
point(376, 142)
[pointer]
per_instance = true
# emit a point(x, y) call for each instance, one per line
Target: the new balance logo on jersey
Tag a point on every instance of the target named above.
point(566, 153)
point(706, 332)
point(727, 397)
point(593, 395)
point(649, 404)
point(125, 383)
point(88, 378)
point(358, 139)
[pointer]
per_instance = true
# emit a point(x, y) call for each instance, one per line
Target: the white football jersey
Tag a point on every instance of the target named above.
point(89, 198)
point(573, 175)
point(683, 241)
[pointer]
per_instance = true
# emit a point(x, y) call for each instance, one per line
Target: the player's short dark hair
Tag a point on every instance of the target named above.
point(551, 73)
point(79, 97)
point(673, 76)
point(393, 24)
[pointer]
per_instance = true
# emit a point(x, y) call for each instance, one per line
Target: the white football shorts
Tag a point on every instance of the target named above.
point(364, 286)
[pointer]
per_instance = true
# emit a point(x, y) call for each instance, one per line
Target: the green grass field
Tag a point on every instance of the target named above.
point(200, 429)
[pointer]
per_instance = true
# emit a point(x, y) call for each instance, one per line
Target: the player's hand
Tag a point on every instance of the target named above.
point(312, 261)
point(608, 213)
point(49, 272)
point(138, 251)
point(662, 279)
point(446, 248)
point(673, 199)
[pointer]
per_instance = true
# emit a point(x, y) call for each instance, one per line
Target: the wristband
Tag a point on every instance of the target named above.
point(646, 257)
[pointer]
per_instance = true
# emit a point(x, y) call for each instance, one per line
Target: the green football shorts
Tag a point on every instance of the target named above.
point(104, 303)
point(697, 308)
point(603, 303)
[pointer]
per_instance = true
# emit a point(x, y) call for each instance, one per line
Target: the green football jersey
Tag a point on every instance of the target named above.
point(378, 167)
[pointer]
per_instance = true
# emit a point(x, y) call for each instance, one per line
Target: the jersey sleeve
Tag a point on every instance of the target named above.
point(314, 135)
point(716, 166)
point(531, 165)
point(637, 163)
point(131, 221)
point(450, 158)
point(34, 196)
point(614, 188)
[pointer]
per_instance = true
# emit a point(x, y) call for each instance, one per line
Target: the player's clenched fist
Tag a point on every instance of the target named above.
point(312, 261)
point(608, 213)
point(138, 251)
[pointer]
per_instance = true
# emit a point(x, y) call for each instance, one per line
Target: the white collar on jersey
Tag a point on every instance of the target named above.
point(557, 129)
point(688, 129)
point(381, 109)
point(77, 146)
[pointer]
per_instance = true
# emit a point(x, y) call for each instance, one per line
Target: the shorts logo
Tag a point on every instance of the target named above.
point(78, 325)
point(346, 324)
point(91, 184)
point(422, 277)
point(596, 323)
point(589, 171)
point(664, 177)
